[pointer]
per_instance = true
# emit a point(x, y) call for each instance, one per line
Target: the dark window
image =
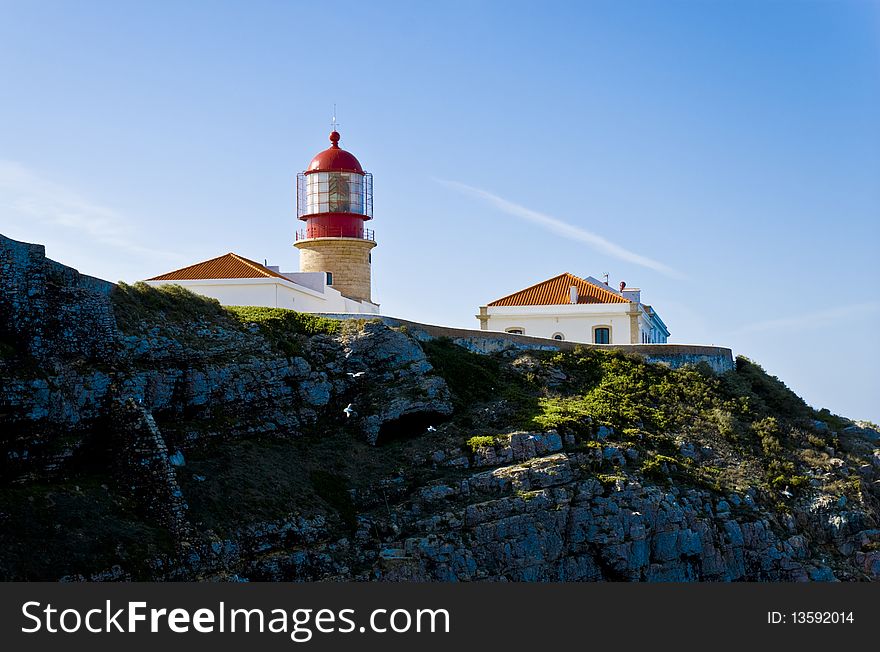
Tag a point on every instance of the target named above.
point(559, 336)
point(515, 331)
point(602, 336)
point(329, 278)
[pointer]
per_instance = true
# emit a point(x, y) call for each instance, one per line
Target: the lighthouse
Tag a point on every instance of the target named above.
point(334, 197)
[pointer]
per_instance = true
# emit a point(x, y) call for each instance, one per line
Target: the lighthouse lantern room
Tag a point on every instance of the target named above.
point(335, 199)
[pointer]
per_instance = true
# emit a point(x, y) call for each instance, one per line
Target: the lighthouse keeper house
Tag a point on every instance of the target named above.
point(567, 307)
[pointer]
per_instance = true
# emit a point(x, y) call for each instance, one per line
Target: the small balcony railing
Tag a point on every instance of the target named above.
point(317, 231)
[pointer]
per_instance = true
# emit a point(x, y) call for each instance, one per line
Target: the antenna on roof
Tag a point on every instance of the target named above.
point(605, 276)
point(333, 123)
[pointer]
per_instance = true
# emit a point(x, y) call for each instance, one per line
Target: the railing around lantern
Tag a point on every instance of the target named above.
point(335, 232)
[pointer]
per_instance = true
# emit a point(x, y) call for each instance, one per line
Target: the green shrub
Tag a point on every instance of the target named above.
point(285, 329)
point(564, 413)
point(768, 395)
point(280, 321)
point(653, 467)
point(626, 392)
point(768, 433)
point(480, 442)
point(609, 479)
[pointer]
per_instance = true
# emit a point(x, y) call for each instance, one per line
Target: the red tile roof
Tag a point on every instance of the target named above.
point(556, 291)
point(227, 266)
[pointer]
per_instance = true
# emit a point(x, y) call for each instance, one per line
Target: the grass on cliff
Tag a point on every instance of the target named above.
point(475, 379)
point(139, 305)
point(285, 329)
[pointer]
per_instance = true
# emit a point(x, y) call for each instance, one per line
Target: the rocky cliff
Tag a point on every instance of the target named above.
point(152, 434)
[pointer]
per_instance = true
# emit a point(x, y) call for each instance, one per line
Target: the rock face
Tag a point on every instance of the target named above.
point(547, 524)
point(154, 435)
point(52, 310)
point(396, 387)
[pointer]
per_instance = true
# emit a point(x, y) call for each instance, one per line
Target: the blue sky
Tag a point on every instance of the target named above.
point(722, 156)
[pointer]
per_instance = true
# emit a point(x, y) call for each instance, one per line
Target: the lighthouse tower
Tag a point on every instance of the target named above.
point(334, 197)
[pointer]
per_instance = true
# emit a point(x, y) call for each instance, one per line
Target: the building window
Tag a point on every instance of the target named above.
point(329, 278)
point(515, 331)
point(558, 336)
point(602, 335)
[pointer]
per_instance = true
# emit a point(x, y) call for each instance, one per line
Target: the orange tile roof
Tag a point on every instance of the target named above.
point(227, 266)
point(556, 291)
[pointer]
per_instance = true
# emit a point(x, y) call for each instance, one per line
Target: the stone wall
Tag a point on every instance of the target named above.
point(348, 259)
point(50, 309)
point(720, 359)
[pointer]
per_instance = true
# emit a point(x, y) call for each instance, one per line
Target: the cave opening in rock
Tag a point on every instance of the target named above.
point(408, 426)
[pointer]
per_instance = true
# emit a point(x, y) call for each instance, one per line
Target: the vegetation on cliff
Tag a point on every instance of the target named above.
point(745, 414)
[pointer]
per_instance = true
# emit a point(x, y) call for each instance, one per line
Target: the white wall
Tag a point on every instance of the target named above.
point(575, 322)
point(273, 293)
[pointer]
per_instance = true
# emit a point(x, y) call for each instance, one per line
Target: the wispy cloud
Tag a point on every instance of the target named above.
point(26, 193)
point(564, 229)
point(811, 320)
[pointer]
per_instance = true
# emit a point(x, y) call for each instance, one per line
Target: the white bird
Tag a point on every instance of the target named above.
point(785, 492)
point(356, 375)
point(348, 411)
point(432, 429)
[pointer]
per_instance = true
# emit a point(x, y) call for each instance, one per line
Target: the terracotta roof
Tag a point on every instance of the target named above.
point(556, 291)
point(227, 266)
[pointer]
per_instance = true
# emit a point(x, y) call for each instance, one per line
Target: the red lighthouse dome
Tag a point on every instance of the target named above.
point(334, 159)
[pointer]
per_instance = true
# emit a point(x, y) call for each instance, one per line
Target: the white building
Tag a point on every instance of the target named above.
point(237, 281)
point(567, 307)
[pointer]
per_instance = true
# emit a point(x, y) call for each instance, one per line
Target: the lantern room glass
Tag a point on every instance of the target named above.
point(334, 192)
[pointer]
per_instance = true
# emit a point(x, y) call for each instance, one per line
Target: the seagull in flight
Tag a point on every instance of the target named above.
point(432, 429)
point(785, 492)
point(348, 411)
point(356, 375)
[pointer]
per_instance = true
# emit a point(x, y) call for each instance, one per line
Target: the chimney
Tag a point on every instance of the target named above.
point(633, 294)
point(622, 286)
point(573, 294)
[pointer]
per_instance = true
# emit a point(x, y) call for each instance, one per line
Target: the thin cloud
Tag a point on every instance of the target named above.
point(808, 321)
point(564, 229)
point(31, 196)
